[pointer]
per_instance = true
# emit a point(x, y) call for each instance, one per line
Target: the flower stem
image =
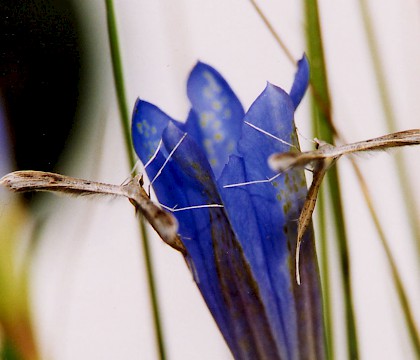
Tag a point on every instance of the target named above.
point(321, 112)
point(325, 276)
point(125, 122)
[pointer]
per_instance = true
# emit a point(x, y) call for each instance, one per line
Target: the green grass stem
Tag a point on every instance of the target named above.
point(324, 129)
point(125, 123)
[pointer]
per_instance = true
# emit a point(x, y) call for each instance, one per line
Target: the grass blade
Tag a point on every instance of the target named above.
point(324, 129)
point(125, 122)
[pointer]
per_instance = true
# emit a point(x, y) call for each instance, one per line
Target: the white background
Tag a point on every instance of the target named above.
point(89, 286)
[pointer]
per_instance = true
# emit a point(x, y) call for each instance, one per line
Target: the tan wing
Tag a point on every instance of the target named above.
point(163, 222)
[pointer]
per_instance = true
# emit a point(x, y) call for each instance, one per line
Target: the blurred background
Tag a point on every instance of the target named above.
point(88, 291)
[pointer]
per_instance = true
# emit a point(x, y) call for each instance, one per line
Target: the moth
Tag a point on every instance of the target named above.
point(322, 159)
point(164, 223)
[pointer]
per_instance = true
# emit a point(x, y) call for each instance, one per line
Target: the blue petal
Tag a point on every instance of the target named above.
point(184, 189)
point(148, 123)
point(192, 127)
point(215, 256)
point(301, 81)
point(218, 115)
point(269, 211)
point(263, 239)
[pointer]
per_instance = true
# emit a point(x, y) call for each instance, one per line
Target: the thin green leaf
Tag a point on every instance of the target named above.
point(324, 129)
point(325, 275)
point(125, 122)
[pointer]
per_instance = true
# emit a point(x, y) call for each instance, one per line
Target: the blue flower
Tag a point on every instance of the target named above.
point(242, 254)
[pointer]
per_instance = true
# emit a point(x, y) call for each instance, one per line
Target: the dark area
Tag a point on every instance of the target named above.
point(40, 69)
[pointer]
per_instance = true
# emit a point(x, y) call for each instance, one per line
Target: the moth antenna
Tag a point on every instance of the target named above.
point(270, 135)
point(175, 209)
point(297, 258)
point(167, 159)
point(308, 139)
point(153, 156)
point(252, 182)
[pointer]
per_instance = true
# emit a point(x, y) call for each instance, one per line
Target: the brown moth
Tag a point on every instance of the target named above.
point(162, 221)
point(325, 156)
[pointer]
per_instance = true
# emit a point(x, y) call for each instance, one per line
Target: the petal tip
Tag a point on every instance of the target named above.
point(301, 81)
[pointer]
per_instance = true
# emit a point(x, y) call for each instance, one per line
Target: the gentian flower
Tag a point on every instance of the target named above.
point(241, 255)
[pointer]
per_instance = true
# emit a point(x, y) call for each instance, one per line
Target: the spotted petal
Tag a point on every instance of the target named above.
point(216, 118)
point(268, 240)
